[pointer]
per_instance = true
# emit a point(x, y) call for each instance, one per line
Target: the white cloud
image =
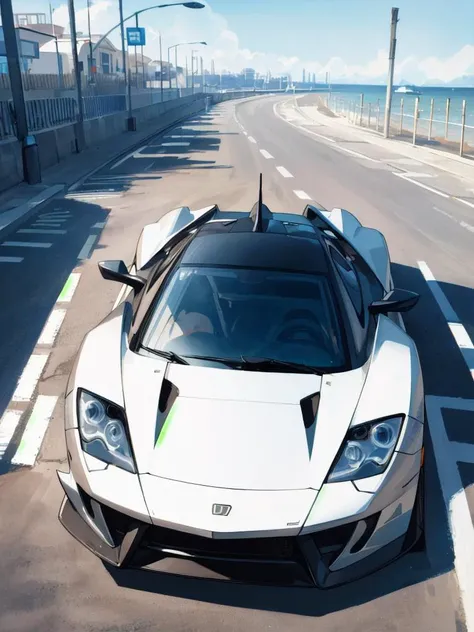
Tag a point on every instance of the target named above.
point(184, 25)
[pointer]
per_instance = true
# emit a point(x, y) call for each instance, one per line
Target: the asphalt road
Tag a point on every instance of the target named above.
point(50, 583)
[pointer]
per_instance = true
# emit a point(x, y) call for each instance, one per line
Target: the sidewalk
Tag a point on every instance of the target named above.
point(455, 165)
point(21, 201)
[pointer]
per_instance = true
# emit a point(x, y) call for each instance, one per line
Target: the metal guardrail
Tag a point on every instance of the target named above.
point(407, 122)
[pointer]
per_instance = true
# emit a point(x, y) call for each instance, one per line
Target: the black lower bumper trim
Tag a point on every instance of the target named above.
point(293, 561)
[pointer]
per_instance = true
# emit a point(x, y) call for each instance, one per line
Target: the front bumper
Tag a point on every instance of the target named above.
point(303, 560)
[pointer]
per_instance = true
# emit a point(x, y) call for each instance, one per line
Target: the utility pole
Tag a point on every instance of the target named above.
point(58, 57)
point(391, 68)
point(30, 155)
point(131, 122)
point(80, 140)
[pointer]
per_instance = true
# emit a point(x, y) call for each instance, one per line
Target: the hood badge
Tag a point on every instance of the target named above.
point(221, 510)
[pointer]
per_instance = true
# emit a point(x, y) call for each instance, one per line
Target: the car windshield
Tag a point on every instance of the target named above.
point(234, 313)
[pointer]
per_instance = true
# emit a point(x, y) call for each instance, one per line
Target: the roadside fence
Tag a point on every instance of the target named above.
point(438, 124)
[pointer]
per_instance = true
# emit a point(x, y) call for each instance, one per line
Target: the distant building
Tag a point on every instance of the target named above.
point(304, 75)
point(248, 78)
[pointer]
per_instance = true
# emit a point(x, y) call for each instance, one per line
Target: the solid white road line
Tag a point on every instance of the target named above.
point(302, 195)
point(175, 144)
point(244, 133)
point(464, 202)
point(35, 430)
point(181, 136)
point(122, 160)
point(356, 153)
point(420, 184)
point(457, 329)
point(463, 452)
point(11, 259)
point(29, 378)
point(26, 244)
point(86, 249)
point(52, 327)
point(331, 140)
point(69, 288)
point(266, 154)
point(418, 174)
point(252, 139)
point(459, 514)
point(467, 226)
point(92, 196)
point(284, 172)
point(40, 231)
point(99, 225)
point(8, 425)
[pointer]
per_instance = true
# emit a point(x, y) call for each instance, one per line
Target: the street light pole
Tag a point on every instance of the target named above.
point(131, 123)
point(30, 156)
point(161, 70)
point(80, 139)
point(391, 68)
point(58, 58)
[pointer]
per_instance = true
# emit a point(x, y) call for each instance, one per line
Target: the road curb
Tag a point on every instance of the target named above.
point(20, 214)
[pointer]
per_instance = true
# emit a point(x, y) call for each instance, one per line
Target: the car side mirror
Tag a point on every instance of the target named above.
point(395, 301)
point(116, 270)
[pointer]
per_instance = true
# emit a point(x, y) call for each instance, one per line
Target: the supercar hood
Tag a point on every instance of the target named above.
point(219, 428)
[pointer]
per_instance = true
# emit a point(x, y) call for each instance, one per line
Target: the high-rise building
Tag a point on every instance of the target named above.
point(304, 75)
point(213, 68)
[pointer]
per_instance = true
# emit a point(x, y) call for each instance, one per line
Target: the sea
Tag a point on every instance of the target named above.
point(373, 94)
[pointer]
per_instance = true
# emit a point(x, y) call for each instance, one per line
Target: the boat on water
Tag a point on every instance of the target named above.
point(411, 90)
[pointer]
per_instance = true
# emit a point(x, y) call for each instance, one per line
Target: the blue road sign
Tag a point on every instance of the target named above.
point(136, 36)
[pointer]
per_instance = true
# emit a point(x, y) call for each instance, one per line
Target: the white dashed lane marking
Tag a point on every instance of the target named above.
point(35, 430)
point(457, 329)
point(266, 154)
point(86, 249)
point(52, 327)
point(26, 244)
point(252, 139)
point(8, 425)
point(41, 231)
point(301, 194)
point(11, 259)
point(284, 172)
point(29, 377)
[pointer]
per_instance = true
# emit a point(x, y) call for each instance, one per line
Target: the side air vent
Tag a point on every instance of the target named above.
point(309, 408)
point(168, 395)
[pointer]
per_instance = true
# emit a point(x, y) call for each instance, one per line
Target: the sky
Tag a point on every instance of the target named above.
point(348, 38)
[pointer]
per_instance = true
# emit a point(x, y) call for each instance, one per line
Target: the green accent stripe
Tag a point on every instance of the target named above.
point(166, 426)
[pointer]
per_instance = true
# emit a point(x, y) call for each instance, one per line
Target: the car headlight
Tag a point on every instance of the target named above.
point(102, 427)
point(367, 450)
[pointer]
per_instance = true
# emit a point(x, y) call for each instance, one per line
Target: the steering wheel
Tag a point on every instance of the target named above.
point(301, 331)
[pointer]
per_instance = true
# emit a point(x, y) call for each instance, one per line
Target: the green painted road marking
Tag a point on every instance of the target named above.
point(69, 288)
point(166, 425)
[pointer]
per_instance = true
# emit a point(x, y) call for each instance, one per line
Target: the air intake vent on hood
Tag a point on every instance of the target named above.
point(309, 408)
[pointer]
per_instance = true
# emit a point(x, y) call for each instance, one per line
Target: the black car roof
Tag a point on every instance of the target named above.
point(280, 251)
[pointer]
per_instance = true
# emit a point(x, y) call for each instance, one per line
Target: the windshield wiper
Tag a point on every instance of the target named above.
point(268, 363)
point(229, 361)
point(168, 355)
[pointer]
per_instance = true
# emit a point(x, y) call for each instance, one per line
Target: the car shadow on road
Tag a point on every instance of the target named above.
point(429, 559)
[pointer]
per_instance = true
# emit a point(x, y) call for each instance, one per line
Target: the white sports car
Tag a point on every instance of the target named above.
point(252, 408)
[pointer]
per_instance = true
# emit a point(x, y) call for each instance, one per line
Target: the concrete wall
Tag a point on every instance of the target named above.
point(57, 143)
point(11, 166)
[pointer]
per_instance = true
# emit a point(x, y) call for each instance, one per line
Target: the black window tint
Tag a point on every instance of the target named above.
point(350, 279)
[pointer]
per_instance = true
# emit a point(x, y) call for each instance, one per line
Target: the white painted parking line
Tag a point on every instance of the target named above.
point(55, 215)
point(45, 224)
point(418, 174)
point(8, 425)
point(420, 184)
point(266, 154)
point(92, 196)
point(175, 144)
point(69, 288)
point(302, 195)
point(29, 378)
point(41, 231)
point(180, 136)
point(457, 506)
point(26, 244)
point(356, 153)
point(99, 225)
point(457, 329)
point(252, 139)
point(284, 172)
point(35, 430)
point(11, 259)
point(122, 160)
point(52, 327)
point(87, 247)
